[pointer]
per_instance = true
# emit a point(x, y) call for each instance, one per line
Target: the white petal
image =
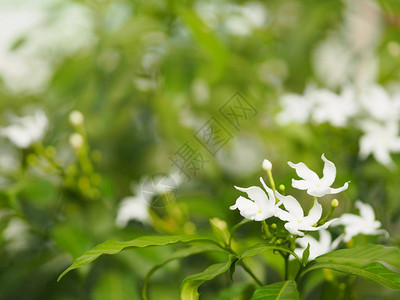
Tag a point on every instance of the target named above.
point(366, 211)
point(291, 205)
point(247, 208)
point(329, 172)
point(349, 219)
point(341, 189)
point(301, 184)
point(284, 215)
point(304, 172)
point(269, 191)
point(314, 215)
point(257, 195)
point(293, 228)
point(319, 191)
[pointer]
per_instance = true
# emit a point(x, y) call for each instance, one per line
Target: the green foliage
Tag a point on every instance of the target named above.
point(114, 247)
point(190, 284)
point(285, 290)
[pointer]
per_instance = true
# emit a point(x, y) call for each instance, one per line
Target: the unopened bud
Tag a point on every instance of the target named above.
point(76, 118)
point(273, 226)
point(266, 165)
point(334, 203)
point(282, 187)
point(76, 140)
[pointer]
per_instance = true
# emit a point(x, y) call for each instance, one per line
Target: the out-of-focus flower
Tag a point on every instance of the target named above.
point(260, 207)
point(24, 131)
point(137, 207)
point(76, 118)
point(76, 140)
point(379, 104)
point(365, 223)
point(295, 218)
point(317, 248)
point(379, 140)
point(315, 186)
point(295, 108)
point(333, 108)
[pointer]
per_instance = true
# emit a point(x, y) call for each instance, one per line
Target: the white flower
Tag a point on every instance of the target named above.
point(295, 218)
point(260, 207)
point(333, 108)
point(133, 208)
point(314, 185)
point(317, 248)
point(379, 104)
point(26, 130)
point(295, 108)
point(379, 140)
point(363, 224)
point(137, 207)
point(76, 118)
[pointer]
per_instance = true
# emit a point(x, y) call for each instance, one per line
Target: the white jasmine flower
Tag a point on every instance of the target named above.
point(24, 131)
point(295, 218)
point(379, 104)
point(317, 248)
point(260, 207)
point(137, 207)
point(133, 208)
point(333, 108)
point(295, 109)
point(379, 140)
point(76, 118)
point(315, 186)
point(365, 223)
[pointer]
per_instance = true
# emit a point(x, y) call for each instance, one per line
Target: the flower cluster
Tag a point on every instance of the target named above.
point(261, 205)
point(372, 109)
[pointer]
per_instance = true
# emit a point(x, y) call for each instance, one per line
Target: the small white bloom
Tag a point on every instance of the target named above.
point(133, 208)
point(24, 131)
point(379, 140)
point(333, 108)
point(365, 223)
point(76, 118)
point(76, 140)
point(260, 207)
point(315, 186)
point(317, 248)
point(266, 165)
point(295, 109)
point(295, 218)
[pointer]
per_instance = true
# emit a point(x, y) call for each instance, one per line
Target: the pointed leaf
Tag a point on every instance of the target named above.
point(285, 290)
point(114, 247)
point(181, 253)
point(190, 284)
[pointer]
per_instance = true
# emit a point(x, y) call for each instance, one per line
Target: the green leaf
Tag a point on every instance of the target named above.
point(181, 253)
point(364, 262)
point(259, 248)
point(306, 254)
point(190, 284)
point(364, 255)
point(285, 290)
point(374, 272)
point(114, 247)
point(114, 285)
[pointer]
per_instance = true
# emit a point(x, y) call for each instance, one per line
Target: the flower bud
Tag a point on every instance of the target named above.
point(76, 118)
point(334, 203)
point(266, 165)
point(274, 226)
point(76, 140)
point(282, 187)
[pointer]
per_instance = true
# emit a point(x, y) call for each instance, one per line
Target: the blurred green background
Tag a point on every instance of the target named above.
point(147, 75)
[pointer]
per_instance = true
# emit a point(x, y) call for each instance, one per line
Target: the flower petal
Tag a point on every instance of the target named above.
point(301, 184)
point(319, 191)
point(366, 211)
point(291, 205)
point(293, 228)
point(284, 215)
point(247, 208)
point(257, 195)
point(270, 192)
point(314, 215)
point(304, 172)
point(329, 172)
point(341, 189)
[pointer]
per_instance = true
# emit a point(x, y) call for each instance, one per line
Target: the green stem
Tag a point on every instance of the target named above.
point(286, 258)
point(250, 272)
